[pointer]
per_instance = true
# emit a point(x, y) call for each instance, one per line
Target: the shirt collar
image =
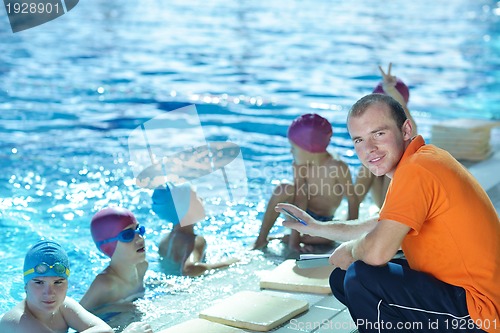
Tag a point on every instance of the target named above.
point(416, 143)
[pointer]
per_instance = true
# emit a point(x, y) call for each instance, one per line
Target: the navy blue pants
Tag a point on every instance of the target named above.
point(395, 298)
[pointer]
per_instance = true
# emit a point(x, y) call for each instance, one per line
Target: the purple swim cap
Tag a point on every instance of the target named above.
point(108, 223)
point(400, 86)
point(310, 132)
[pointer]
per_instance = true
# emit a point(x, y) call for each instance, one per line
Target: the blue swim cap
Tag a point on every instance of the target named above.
point(46, 258)
point(172, 202)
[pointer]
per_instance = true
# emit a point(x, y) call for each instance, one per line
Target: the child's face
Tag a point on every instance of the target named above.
point(46, 294)
point(133, 251)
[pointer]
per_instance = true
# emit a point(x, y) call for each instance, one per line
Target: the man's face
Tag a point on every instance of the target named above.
point(378, 141)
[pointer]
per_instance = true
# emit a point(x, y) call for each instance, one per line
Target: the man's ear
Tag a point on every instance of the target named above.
point(407, 129)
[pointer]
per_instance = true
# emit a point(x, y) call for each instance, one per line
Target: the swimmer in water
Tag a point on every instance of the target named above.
point(46, 308)
point(182, 251)
point(117, 234)
point(320, 182)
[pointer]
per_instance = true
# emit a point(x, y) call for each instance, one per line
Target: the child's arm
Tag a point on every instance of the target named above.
point(193, 265)
point(349, 192)
point(389, 85)
point(81, 320)
point(299, 200)
point(364, 181)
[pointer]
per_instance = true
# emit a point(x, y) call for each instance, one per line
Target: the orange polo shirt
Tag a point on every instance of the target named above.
point(455, 232)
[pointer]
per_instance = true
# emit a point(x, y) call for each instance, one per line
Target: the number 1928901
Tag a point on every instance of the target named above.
point(32, 8)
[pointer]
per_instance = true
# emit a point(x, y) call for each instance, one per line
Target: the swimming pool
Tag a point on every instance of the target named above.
point(72, 91)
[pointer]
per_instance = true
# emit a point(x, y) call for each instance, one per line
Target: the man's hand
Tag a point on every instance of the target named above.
point(310, 228)
point(342, 256)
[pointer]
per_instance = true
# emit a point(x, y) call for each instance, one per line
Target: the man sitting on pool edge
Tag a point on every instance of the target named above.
point(437, 212)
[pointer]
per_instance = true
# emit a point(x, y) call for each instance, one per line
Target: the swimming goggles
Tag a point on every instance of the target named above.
point(125, 236)
point(43, 268)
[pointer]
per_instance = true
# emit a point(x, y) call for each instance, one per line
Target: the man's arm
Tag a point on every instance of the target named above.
point(375, 248)
point(336, 231)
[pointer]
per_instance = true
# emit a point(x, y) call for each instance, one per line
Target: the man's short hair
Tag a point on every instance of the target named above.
point(397, 111)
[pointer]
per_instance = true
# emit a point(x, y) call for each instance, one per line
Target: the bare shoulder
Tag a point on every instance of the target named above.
point(333, 159)
point(101, 288)
point(334, 162)
point(15, 313)
point(11, 320)
point(104, 280)
point(17, 320)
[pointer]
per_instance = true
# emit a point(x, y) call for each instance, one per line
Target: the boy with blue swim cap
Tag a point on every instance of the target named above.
point(46, 258)
point(171, 203)
point(46, 308)
point(182, 251)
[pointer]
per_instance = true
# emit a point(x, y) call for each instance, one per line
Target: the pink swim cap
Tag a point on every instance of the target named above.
point(108, 223)
point(400, 86)
point(310, 132)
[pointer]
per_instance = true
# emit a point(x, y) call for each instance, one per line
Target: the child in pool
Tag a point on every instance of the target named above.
point(365, 180)
point(117, 234)
point(320, 181)
point(46, 308)
point(182, 251)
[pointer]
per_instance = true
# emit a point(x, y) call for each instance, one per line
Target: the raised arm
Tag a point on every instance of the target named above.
point(389, 85)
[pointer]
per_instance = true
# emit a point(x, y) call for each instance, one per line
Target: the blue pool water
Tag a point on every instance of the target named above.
point(72, 90)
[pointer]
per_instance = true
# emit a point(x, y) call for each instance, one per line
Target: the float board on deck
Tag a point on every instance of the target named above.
point(287, 276)
point(255, 311)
